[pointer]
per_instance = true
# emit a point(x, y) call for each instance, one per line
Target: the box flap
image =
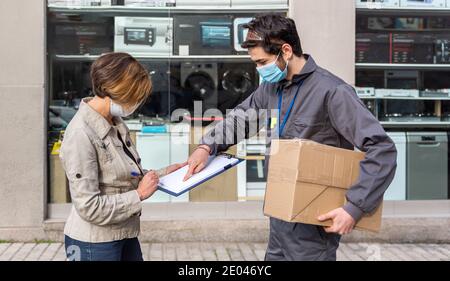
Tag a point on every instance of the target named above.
point(305, 195)
point(329, 166)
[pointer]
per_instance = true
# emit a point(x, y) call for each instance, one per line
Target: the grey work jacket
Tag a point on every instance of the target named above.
point(327, 110)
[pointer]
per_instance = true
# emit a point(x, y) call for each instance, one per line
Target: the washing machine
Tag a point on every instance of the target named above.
point(200, 81)
point(237, 82)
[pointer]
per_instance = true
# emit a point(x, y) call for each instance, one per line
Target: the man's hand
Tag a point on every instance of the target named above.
point(343, 223)
point(197, 161)
point(174, 167)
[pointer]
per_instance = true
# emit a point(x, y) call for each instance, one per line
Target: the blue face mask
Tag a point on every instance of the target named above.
point(272, 73)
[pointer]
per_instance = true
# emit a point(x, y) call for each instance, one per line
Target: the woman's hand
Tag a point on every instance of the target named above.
point(197, 161)
point(148, 185)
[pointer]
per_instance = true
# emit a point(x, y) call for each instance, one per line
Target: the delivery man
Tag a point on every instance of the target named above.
point(313, 104)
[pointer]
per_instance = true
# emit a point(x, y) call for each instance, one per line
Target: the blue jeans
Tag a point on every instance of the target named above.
point(122, 250)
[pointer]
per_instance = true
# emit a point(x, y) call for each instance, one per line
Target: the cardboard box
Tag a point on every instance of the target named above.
point(307, 179)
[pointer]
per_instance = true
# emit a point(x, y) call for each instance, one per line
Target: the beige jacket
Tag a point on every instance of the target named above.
point(106, 205)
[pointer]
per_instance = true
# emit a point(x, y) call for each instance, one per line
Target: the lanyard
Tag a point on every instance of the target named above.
point(280, 103)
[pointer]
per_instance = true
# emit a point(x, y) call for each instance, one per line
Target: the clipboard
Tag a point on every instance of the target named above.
point(173, 183)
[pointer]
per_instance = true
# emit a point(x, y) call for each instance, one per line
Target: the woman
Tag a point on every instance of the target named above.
point(107, 182)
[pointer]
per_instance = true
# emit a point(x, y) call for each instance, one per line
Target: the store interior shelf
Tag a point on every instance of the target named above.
point(404, 98)
point(165, 10)
point(423, 124)
point(402, 66)
point(94, 57)
point(403, 10)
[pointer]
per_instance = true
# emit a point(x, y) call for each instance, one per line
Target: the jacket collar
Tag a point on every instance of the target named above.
point(308, 69)
point(97, 122)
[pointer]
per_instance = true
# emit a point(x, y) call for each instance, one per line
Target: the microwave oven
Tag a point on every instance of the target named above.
point(143, 36)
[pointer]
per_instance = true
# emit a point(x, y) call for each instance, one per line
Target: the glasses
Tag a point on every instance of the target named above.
point(253, 36)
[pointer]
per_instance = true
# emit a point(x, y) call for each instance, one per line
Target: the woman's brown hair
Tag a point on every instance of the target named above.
point(122, 78)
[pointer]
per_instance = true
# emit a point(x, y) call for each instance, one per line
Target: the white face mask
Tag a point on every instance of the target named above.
point(117, 110)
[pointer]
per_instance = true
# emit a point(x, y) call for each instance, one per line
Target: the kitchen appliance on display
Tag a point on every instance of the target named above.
point(423, 3)
point(377, 3)
point(401, 93)
point(251, 173)
point(427, 171)
point(204, 3)
point(372, 48)
point(405, 84)
point(79, 3)
point(200, 82)
point(402, 79)
point(220, 86)
point(68, 37)
point(397, 189)
point(448, 161)
point(377, 23)
point(260, 3)
point(410, 23)
point(433, 94)
point(165, 91)
point(144, 36)
point(149, 3)
point(412, 48)
point(442, 50)
point(161, 148)
point(203, 35)
point(237, 82)
point(405, 110)
point(240, 33)
point(365, 91)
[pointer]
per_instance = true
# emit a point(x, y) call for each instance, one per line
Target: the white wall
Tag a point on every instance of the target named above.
point(327, 32)
point(22, 111)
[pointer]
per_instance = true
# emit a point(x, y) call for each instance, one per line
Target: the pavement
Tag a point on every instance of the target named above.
point(44, 251)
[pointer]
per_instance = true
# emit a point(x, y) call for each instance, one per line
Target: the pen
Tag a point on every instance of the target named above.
point(135, 174)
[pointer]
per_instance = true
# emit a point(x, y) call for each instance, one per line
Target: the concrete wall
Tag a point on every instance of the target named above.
point(22, 115)
point(327, 31)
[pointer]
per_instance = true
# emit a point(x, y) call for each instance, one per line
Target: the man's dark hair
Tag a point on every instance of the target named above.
point(274, 30)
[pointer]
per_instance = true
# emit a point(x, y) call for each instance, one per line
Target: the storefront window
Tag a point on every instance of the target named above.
point(402, 69)
point(192, 53)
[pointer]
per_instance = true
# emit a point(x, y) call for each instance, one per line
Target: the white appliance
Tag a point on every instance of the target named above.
point(251, 175)
point(385, 93)
point(240, 33)
point(159, 150)
point(365, 91)
point(260, 3)
point(397, 189)
point(144, 36)
point(377, 4)
point(422, 3)
point(79, 3)
point(150, 3)
point(203, 3)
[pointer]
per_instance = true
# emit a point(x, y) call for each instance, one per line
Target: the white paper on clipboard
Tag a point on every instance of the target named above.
point(173, 183)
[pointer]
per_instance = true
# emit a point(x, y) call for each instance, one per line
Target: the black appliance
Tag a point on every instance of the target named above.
point(412, 48)
point(372, 48)
point(203, 35)
point(442, 50)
